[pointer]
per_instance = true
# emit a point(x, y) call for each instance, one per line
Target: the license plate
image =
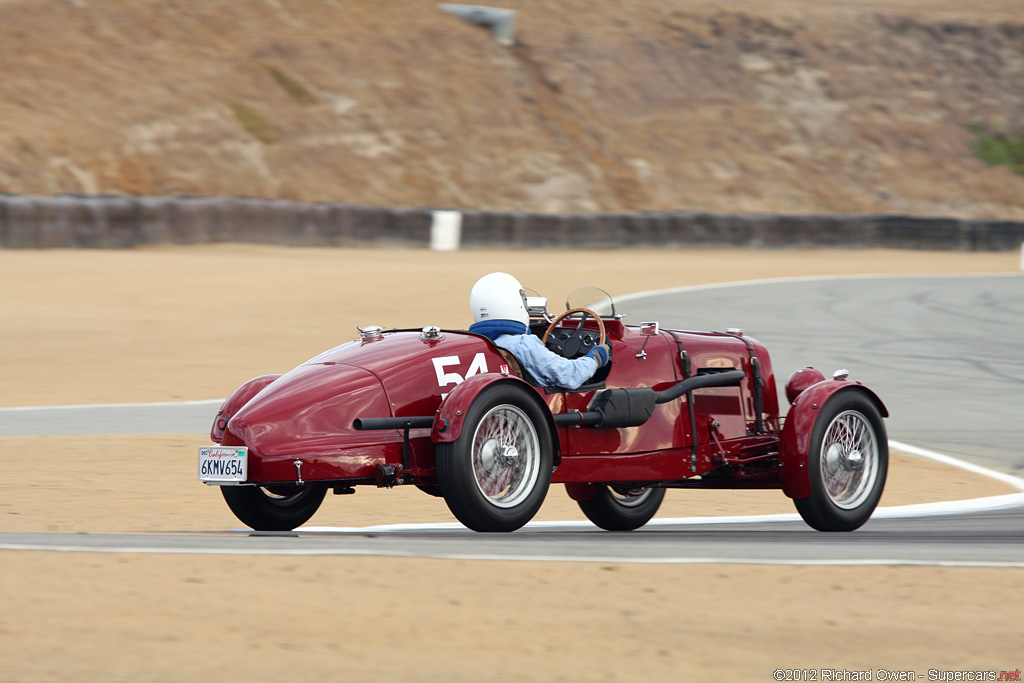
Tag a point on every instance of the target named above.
point(223, 464)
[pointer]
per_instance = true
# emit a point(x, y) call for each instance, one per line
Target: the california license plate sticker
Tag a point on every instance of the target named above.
point(223, 463)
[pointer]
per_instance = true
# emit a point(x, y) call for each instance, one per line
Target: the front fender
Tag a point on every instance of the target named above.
point(238, 398)
point(795, 441)
point(452, 414)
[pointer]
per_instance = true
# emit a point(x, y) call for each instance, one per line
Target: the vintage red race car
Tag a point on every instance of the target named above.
point(453, 414)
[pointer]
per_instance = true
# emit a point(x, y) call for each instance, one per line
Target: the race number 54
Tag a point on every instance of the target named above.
point(478, 365)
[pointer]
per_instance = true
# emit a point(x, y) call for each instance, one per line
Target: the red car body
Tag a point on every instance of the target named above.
point(376, 411)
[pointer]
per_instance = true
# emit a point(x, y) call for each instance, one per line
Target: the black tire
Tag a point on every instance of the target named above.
point(431, 489)
point(274, 508)
point(847, 461)
point(488, 489)
point(621, 511)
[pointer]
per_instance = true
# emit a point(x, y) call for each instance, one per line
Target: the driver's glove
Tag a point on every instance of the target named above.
point(601, 354)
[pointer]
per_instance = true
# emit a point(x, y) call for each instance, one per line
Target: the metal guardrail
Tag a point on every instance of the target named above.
point(72, 221)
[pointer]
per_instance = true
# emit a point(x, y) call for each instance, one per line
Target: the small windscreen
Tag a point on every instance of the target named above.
point(597, 300)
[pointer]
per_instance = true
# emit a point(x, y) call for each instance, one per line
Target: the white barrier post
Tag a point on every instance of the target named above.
point(502, 22)
point(446, 231)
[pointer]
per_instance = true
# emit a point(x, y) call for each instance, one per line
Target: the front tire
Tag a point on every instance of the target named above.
point(274, 508)
point(847, 461)
point(614, 510)
point(495, 475)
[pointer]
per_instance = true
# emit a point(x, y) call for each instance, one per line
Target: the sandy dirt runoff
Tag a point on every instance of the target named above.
point(170, 324)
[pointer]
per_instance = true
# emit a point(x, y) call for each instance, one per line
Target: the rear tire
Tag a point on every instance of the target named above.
point(431, 489)
point(615, 511)
point(274, 508)
point(847, 461)
point(495, 475)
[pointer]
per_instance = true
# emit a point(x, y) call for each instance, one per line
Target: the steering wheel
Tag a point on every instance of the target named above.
point(572, 343)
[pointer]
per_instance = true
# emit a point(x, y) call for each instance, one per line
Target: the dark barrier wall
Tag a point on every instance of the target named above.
point(110, 222)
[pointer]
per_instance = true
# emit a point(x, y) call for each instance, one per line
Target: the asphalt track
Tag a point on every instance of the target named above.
point(943, 352)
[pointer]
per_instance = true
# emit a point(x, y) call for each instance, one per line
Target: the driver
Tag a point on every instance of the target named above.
point(499, 311)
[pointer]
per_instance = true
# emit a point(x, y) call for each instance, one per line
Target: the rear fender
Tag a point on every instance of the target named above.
point(452, 413)
point(795, 441)
point(234, 403)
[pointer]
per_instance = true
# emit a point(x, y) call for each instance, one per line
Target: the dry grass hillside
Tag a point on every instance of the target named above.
point(725, 105)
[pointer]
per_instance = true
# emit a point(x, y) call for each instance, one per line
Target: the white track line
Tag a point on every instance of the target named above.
point(88, 406)
point(327, 552)
point(986, 504)
point(989, 503)
point(893, 512)
point(800, 278)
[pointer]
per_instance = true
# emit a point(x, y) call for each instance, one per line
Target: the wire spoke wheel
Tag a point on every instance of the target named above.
point(631, 498)
point(506, 456)
point(847, 462)
point(495, 475)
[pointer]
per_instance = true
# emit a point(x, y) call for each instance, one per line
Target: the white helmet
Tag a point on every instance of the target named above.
point(498, 296)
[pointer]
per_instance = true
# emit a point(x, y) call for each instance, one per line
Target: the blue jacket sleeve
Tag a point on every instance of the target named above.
point(547, 367)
